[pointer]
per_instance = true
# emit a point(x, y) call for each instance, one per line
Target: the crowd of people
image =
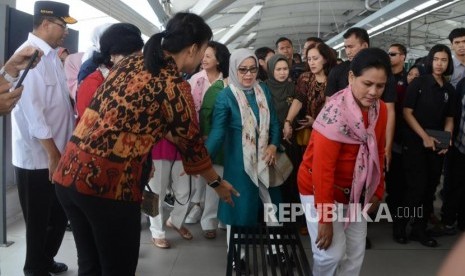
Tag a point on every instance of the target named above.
point(210, 123)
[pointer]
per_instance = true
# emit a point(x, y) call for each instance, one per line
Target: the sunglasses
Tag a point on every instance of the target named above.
point(244, 70)
point(393, 54)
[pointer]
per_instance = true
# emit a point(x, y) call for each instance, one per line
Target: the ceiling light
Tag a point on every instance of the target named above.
point(399, 12)
point(240, 23)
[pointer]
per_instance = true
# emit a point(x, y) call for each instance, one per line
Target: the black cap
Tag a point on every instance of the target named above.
point(54, 9)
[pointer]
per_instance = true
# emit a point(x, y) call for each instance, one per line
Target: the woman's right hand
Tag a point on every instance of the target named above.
point(429, 142)
point(325, 236)
point(225, 192)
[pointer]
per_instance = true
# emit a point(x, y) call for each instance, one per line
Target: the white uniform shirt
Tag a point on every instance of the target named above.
point(44, 110)
point(459, 72)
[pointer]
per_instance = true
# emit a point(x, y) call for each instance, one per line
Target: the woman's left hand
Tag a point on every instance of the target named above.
point(270, 155)
point(305, 123)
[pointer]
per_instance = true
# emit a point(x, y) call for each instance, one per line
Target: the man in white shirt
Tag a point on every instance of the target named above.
point(42, 124)
point(457, 41)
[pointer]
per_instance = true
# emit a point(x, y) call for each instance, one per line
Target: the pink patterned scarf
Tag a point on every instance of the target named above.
point(341, 120)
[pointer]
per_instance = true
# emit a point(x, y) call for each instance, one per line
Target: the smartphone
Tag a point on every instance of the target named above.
point(29, 65)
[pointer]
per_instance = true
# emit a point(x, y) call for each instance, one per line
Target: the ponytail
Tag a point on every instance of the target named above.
point(153, 54)
point(183, 30)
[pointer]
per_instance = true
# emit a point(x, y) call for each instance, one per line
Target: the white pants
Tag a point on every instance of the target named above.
point(347, 250)
point(159, 184)
point(209, 219)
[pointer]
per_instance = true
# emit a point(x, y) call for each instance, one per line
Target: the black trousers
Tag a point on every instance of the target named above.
point(453, 207)
point(396, 186)
point(106, 232)
point(423, 169)
point(44, 218)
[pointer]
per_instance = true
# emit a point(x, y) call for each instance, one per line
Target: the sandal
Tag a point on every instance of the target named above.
point(209, 234)
point(183, 231)
point(161, 243)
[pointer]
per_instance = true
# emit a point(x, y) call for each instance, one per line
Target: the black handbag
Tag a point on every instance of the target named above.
point(442, 136)
point(149, 205)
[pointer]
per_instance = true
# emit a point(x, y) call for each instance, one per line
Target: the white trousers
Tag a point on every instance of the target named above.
point(159, 183)
point(209, 219)
point(347, 250)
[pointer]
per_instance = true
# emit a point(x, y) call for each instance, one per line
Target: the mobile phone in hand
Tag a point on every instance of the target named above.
point(29, 65)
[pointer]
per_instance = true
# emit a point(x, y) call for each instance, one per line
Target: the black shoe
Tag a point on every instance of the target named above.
point(424, 239)
point(68, 227)
point(169, 200)
point(368, 243)
point(58, 268)
point(241, 267)
point(399, 234)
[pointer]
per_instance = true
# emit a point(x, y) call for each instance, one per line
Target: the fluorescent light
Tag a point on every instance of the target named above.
point(390, 21)
point(374, 29)
point(200, 6)
point(240, 23)
point(218, 31)
point(407, 13)
point(340, 45)
point(425, 5)
point(413, 18)
point(250, 36)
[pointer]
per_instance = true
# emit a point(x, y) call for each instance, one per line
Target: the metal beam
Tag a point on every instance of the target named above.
point(215, 9)
point(159, 11)
point(241, 31)
point(124, 13)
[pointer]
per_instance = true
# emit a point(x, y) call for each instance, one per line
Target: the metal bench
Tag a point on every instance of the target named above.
point(254, 243)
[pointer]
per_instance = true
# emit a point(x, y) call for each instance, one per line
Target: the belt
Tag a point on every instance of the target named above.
point(344, 190)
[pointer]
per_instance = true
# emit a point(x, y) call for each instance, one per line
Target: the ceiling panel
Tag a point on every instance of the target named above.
point(299, 19)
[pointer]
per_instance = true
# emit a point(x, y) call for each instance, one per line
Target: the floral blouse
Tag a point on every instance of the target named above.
point(310, 93)
point(131, 111)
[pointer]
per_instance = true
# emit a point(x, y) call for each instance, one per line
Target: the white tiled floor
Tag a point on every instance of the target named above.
point(208, 257)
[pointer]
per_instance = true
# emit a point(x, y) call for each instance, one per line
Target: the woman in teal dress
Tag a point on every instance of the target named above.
point(245, 125)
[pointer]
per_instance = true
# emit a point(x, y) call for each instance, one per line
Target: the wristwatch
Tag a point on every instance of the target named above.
point(7, 76)
point(215, 183)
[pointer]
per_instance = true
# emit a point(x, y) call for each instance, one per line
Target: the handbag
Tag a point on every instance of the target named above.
point(302, 136)
point(281, 170)
point(149, 205)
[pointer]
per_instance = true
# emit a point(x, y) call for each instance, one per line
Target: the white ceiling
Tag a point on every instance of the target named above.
point(299, 19)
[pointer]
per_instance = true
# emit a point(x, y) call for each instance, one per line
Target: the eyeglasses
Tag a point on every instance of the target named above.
point(63, 26)
point(244, 70)
point(394, 54)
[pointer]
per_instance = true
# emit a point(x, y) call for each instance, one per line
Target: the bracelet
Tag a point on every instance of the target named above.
point(7, 76)
point(215, 183)
point(288, 121)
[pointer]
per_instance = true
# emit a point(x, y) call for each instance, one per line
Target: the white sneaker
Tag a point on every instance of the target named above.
point(194, 215)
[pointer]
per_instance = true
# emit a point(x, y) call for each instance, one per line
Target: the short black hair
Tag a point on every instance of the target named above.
point(370, 58)
point(401, 48)
point(222, 55)
point(281, 39)
point(118, 39)
point(458, 32)
point(262, 52)
point(430, 57)
point(314, 39)
point(360, 33)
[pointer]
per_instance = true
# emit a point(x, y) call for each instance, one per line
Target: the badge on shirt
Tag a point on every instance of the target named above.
point(446, 97)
